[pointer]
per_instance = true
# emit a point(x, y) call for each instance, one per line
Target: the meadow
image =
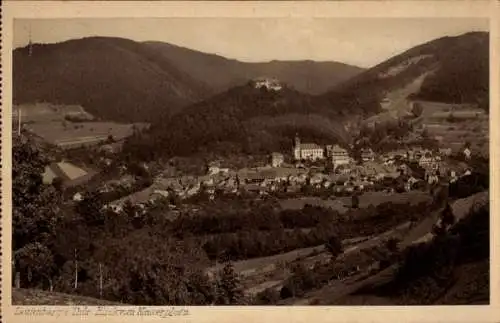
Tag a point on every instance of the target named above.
point(52, 123)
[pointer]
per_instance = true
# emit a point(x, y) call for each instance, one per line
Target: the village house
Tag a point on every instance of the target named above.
point(316, 179)
point(403, 169)
point(367, 154)
point(467, 153)
point(310, 151)
point(343, 170)
point(432, 179)
point(339, 156)
point(445, 152)
point(427, 161)
point(158, 194)
point(414, 154)
point(453, 176)
point(136, 198)
point(277, 159)
point(409, 184)
point(78, 197)
point(397, 154)
point(214, 168)
point(67, 173)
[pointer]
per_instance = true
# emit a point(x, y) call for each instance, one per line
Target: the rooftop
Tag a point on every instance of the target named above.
point(310, 146)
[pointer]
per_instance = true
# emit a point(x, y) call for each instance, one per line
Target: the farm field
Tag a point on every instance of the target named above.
point(49, 122)
point(46, 112)
point(70, 134)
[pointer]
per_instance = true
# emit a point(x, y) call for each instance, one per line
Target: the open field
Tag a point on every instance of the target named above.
point(68, 134)
point(46, 112)
point(49, 122)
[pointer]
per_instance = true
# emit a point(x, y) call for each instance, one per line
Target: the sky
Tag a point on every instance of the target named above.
point(364, 42)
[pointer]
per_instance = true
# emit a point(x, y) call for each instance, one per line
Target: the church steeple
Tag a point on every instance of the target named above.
point(297, 140)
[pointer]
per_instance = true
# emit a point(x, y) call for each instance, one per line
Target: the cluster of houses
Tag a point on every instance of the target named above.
point(339, 156)
point(289, 177)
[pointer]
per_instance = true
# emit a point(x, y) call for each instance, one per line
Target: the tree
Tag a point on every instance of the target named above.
point(447, 216)
point(425, 134)
point(90, 208)
point(392, 245)
point(35, 210)
point(35, 262)
point(355, 201)
point(229, 290)
point(334, 246)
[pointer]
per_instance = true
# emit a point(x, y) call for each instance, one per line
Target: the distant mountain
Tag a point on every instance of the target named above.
point(222, 73)
point(124, 80)
point(112, 78)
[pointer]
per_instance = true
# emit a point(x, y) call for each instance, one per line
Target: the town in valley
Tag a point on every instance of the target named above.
point(146, 173)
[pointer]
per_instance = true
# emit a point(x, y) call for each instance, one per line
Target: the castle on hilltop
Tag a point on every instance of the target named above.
point(269, 83)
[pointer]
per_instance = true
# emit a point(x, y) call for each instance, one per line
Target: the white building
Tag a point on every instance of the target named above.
point(427, 161)
point(340, 156)
point(214, 169)
point(277, 159)
point(78, 197)
point(445, 151)
point(367, 154)
point(467, 153)
point(309, 151)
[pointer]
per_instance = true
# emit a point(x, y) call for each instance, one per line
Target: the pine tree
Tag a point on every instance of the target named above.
point(229, 289)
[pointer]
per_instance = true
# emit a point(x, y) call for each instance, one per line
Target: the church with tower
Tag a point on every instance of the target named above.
point(310, 151)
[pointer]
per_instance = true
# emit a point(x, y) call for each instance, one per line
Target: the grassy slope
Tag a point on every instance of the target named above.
point(39, 297)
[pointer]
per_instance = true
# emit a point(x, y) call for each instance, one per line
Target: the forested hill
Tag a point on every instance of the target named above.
point(246, 120)
point(112, 78)
point(249, 120)
point(123, 80)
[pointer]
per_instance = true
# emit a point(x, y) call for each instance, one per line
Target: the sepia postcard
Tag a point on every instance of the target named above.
point(256, 161)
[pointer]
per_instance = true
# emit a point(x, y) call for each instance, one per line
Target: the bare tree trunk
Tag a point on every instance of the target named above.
point(100, 280)
point(51, 286)
point(17, 280)
point(76, 271)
